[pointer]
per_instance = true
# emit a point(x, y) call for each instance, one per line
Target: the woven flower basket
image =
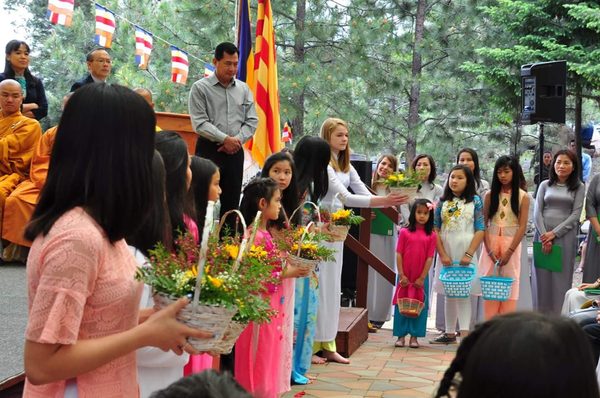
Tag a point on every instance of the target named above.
point(411, 192)
point(338, 233)
point(233, 331)
point(409, 307)
point(210, 318)
point(302, 263)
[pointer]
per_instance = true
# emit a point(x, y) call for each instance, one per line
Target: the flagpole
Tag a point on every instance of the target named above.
point(237, 22)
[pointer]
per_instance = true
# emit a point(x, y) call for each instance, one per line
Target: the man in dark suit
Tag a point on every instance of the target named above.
point(99, 65)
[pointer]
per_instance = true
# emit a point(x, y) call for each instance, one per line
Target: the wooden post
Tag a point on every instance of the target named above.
point(362, 267)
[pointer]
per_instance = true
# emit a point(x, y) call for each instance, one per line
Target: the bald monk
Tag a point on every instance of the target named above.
point(20, 204)
point(147, 95)
point(18, 137)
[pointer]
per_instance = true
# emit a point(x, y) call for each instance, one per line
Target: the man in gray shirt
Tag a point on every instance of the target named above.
point(223, 115)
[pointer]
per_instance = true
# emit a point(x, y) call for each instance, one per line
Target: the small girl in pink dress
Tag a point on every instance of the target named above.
point(258, 350)
point(415, 251)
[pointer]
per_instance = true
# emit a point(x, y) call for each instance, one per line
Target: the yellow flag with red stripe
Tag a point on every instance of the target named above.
point(267, 139)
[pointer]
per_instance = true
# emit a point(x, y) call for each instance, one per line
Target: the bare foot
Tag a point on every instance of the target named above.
point(335, 357)
point(310, 377)
point(317, 360)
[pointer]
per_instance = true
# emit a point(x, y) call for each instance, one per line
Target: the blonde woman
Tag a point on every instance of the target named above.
point(341, 177)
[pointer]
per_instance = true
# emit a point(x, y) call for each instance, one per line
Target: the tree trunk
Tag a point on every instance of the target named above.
point(415, 86)
point(299, 55)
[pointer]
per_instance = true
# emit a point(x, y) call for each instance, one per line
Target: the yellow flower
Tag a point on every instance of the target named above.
point(340, 215)
point(257, 252)
point(216, 282)
point(233, 250)
point(309, 246)
point(191, 273)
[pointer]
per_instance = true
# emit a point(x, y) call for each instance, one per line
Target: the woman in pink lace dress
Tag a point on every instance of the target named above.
point(84, 322)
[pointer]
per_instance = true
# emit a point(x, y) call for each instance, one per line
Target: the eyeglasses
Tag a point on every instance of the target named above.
point(103, 61)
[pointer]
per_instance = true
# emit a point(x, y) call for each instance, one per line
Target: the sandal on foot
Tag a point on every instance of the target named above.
point(400, 342)
point(413, 343)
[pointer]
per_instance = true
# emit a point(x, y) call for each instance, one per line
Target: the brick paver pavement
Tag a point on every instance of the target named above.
point(378, 369)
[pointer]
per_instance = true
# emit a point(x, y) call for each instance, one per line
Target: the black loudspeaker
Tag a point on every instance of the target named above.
point(364, 170)
point(543, 92)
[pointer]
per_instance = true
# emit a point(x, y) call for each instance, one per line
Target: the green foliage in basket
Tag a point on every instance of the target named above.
point(341, 217)
point(311, 247)
point(398, 179)
point(175, 274)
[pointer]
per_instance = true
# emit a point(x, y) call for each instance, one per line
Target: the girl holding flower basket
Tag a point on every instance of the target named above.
point(311, 157)
point(416, 248)
point(341, 177)
point(260, 372)
point(280, 167)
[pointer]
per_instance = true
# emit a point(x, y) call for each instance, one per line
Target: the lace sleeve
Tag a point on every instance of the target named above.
point(60, 281)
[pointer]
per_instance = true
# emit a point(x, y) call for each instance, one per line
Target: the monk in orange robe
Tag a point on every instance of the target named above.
point(18, 137)
point(20, 204)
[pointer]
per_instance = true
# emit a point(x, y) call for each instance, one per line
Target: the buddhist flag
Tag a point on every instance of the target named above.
point(143, 47)
point(286, 133)
point(60, 12)
point(208, 69)
point(267, 139)
point(179, 65)
point(105, 26)
point(245, 70)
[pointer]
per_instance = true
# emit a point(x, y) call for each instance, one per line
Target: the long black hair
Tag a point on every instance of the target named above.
point(573, 181)
point(523, 355)
point(203, 171)
point(289, 196)
point(412, 219)
point(101, 160)
point(469, 193)
point(513, 164)
point(311, 156)
point(476, 170)
point(173, 150)
point(157, 227)
point(257, 189)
